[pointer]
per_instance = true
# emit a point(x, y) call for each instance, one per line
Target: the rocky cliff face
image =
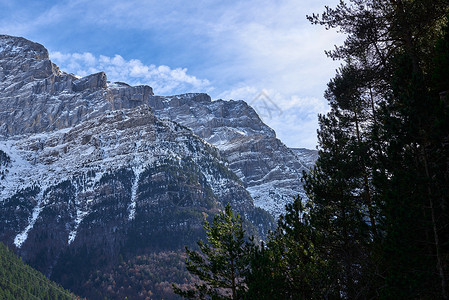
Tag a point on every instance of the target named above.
point(88, 173)
point(37, 97)
point(270, 171)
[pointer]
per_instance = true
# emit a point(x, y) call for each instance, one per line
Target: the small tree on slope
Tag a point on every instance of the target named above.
point(222, 262)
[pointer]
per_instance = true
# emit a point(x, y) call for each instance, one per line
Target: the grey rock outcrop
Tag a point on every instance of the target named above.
point(91, 82)
point(270, 171)
point(37, 97)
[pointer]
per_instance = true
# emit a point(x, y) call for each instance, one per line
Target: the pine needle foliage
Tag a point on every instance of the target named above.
point(221, 262)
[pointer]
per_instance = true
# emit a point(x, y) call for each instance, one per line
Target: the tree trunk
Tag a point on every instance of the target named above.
point(435, 229)
point(367, 190)
point(234, 292)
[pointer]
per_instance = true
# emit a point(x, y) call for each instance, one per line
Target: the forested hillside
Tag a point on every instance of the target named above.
point(19, 281)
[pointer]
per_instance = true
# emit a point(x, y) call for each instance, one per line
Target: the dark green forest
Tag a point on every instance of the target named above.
point(19, 281)
point(375, 224)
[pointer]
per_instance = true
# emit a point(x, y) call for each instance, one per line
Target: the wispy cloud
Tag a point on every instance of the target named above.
point(294, 118)
point(163, 79)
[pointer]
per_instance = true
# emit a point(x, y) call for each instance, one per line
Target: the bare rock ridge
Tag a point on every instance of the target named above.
point(270, 171)
point(38, 97)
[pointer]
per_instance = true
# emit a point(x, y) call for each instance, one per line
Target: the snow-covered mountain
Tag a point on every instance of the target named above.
point(47, 99)
point(270, 171)
point(88, 172)
point(92, 170)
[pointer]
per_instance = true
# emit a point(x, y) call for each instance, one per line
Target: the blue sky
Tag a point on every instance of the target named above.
point(228, 49)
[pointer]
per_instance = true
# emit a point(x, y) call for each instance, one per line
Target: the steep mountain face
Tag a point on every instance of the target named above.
point(307, 156)
point(270, 171)
point(37, 97)
point(89, 175)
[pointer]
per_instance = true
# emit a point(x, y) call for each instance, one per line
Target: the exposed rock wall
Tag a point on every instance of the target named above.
point(270, 171)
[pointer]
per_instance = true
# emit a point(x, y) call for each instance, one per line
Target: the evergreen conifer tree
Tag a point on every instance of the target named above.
point(383, 158)
point(288, 265)
point(221, 263)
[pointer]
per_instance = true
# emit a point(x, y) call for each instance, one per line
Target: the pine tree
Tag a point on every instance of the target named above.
point(222, 263)
point(417, 128)
point(288, 265)
point(339, 213)
point(384, 149)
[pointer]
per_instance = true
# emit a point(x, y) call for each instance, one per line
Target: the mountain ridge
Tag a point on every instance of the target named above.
point(93, 171)
point(270, 171)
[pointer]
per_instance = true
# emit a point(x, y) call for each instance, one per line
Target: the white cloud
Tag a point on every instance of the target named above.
point(275, 47)
point(296, 131)
point(163, 79)
point(297, 126)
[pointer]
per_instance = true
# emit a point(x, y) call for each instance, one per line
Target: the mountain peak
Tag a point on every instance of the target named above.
point(37, 97)
point(12, 46)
